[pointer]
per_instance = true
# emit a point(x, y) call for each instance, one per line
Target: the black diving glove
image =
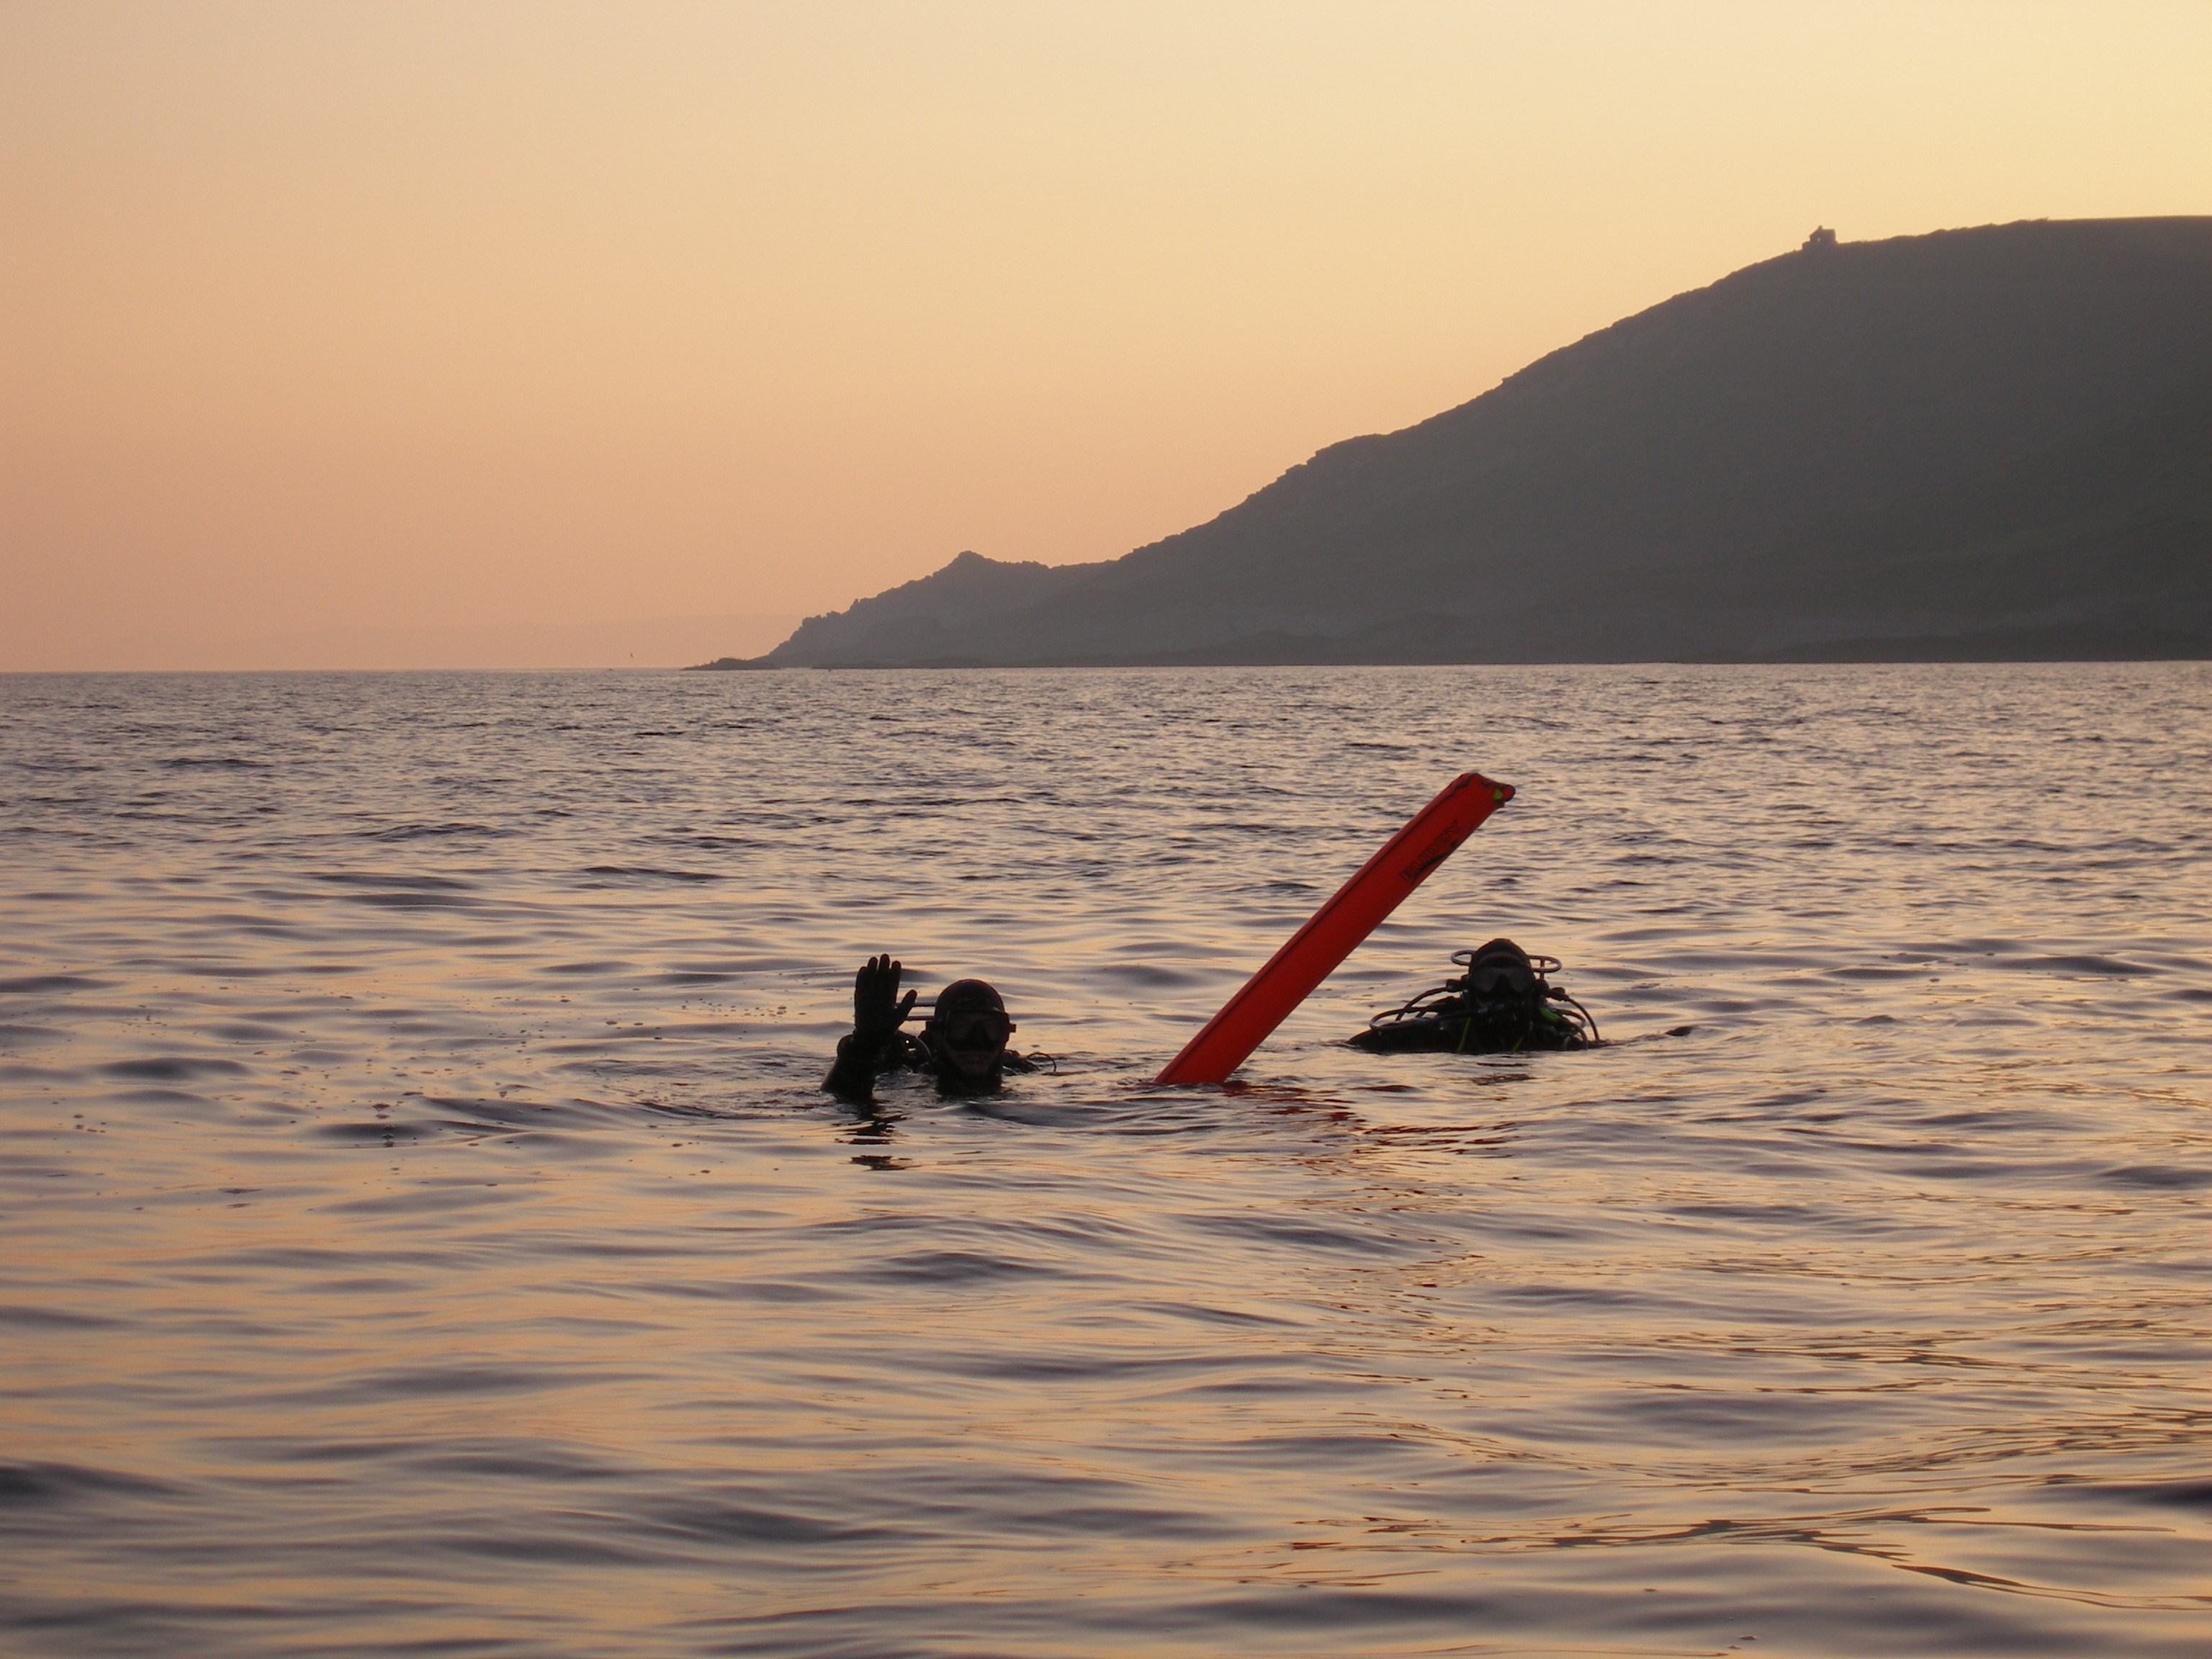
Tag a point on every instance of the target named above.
point(878, 1009)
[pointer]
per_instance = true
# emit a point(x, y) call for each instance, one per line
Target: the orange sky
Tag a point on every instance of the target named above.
point(386, 331)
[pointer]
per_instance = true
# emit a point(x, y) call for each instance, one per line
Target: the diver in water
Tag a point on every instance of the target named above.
point(962, 1043)
point(1503, 1004)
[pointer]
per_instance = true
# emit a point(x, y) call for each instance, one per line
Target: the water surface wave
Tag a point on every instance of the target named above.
point(424, 1233)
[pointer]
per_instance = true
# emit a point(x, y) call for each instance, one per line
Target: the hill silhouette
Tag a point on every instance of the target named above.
point(1977, 444)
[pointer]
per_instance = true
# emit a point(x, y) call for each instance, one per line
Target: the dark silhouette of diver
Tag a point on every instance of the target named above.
point(962, 1044)
point(1503, 1004)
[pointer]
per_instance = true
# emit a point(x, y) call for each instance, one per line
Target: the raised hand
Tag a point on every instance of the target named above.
point(877, 1008)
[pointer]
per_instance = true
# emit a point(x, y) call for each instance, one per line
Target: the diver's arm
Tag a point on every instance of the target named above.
point(878, 1012)
point(852, 1073)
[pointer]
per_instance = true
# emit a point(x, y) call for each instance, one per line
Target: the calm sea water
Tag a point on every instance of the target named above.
point(422, 1233)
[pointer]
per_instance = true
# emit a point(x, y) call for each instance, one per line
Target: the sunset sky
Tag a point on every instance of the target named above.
point(387, 333)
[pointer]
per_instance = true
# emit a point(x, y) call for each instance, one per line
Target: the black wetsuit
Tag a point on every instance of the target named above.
point(1460, 1026)
point(854, 1072)
point(1502, 1004)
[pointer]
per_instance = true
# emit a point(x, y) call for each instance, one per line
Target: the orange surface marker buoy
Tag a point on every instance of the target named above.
point(1336, 929)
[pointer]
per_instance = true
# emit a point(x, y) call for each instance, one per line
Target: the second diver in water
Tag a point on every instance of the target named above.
point(962, 1043)
point(1504, 1003)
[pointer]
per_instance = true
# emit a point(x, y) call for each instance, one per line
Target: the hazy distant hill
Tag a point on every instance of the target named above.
point(1981, 443)
point(945, 612)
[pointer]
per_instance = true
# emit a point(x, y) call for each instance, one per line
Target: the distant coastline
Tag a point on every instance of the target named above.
point(1989, 646)
point(1987, 445)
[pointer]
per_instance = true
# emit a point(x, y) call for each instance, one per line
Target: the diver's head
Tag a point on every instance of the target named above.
point(967, 1031)
point(1500, 971)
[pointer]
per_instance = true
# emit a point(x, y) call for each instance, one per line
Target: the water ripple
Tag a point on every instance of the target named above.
point(424, 1230)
